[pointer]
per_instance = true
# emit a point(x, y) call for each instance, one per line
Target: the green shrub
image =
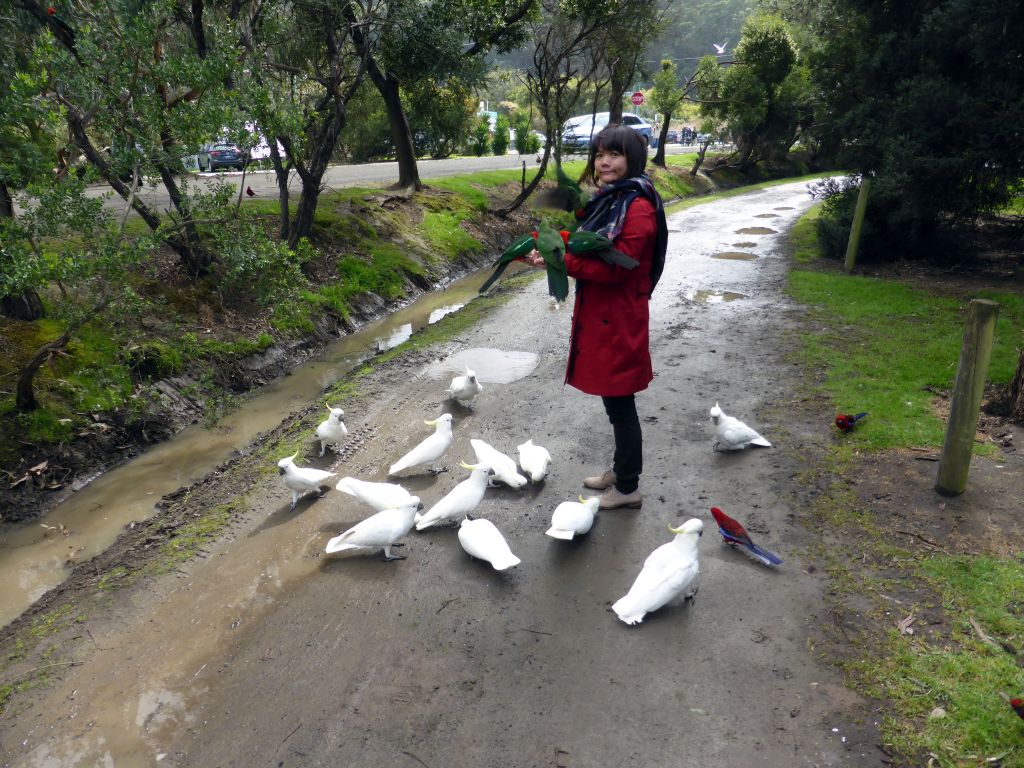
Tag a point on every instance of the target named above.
point(501, 138)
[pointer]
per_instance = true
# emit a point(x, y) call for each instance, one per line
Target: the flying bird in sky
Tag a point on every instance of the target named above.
point(720, 49)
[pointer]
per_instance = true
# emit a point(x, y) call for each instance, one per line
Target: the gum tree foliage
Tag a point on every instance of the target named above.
point(443, 115)
point(926, 97)
point(666, 97)
point(763, 96)
point(410, 44)
point(621, 46)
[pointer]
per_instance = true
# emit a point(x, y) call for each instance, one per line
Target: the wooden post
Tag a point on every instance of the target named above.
point(858, 222)
point(967, 392)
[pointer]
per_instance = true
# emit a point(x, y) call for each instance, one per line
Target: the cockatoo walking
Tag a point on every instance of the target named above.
point(299, 480)
point(379, 531)
point(503, 467)
point(482, 539)
point(535, 460)
point(464, 389)
point(573, 518)
point(380, 496)
point(669, 571)
point(731, 434)
point(736, 535)
point(430, 449)
point(331, 430)
point(460, 500)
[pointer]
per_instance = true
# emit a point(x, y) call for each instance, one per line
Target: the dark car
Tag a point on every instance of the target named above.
point(672, 137)
point(213, 157)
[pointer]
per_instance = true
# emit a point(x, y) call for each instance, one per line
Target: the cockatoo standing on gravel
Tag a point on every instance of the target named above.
point(299, 480)
point(331, 430)
point(503, 467)
point(573, 518)
point(459, 501)
point(482, 539)
point(535, 460)
point(464, 389)
point(430, 449)
point(380, 496)
point(731, 434)
point(669, 571)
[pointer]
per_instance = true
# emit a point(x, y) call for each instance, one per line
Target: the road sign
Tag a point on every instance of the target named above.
point(637, 98)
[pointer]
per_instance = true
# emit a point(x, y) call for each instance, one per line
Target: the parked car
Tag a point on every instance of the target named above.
point(672, 137)
point(577, 131)
point(221, 154)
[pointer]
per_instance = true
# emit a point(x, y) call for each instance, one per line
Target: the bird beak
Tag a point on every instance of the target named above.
point(582, 500)
point(280, 470)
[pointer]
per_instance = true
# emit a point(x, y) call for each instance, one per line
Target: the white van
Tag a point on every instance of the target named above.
point(577, 131)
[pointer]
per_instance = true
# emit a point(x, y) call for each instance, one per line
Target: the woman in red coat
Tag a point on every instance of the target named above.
point(609, 353)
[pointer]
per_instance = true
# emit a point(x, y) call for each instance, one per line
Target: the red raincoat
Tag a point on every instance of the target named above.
point(609, 350)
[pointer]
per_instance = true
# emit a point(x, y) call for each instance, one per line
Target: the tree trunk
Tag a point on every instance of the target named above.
point(401, 135)
point(700, 158)
point(324, 140)
point(526, 191)
point(1016, 393)
point(659, 156)
point(196, 259)
point(618, 84)
point(25, 398)
point(17, 306)
point(281, 174)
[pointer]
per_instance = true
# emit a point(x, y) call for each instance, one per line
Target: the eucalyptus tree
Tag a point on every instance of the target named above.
point(412, 42)
point(666, 96)
point(638, 23)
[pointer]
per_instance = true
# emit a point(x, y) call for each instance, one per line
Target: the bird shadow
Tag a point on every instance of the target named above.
point(284, 514)
point(734, 555)
point(360, 562)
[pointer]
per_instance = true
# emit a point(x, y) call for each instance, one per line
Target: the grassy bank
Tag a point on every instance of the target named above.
point(890, 347)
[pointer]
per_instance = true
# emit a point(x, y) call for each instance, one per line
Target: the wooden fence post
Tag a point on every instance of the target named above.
point(967, 393)
point(858, 222)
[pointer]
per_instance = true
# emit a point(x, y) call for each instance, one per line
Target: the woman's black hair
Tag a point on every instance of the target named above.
point(617, 138)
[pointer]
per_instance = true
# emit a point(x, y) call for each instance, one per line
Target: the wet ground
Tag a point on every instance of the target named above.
point(264, 652)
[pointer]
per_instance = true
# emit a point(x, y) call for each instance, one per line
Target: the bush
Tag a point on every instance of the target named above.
point(481, 138)
point(501, 138)
point(521, 124)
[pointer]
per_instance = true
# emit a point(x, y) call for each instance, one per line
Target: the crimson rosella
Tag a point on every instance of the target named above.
point(846, 422)
point(1018, 707)
point(735, 534)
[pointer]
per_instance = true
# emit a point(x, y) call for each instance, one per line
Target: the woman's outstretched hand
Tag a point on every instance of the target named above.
point(534, 259)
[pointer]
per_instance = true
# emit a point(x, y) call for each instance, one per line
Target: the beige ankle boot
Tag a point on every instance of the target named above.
point(615, 499)
point(600, 482)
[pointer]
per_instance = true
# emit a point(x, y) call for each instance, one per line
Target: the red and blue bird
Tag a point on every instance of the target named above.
point(847, 421)
point(735, 535)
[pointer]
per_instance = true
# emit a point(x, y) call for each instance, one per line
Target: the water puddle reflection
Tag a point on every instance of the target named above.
point(784, 208)
point(766, 216)
point(756, 231)
point(494, 366)
point(714, 297)
point(734, 256)
point(744, 245)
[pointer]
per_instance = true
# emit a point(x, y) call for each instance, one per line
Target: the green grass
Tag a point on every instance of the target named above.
point(684, 204)
point(883, 344)
point(449, 240)
point(962, 673)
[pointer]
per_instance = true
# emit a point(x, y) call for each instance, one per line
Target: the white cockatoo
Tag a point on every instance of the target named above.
point(535, 460)
point(331, 430)
point(459, 501)
point(720, 49)
point(669, 571)
point(379, 531)
point(380, 496)
point(482, 539)
point(731, 434)
point(503, 467)
point(431, 448)
point(298, 479)
point(573, 518)
point(464, 389)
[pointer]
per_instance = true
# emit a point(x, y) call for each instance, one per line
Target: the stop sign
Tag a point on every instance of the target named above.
point(637, 98)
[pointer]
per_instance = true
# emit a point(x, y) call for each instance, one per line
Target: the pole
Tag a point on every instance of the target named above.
point(858, 222)
point(975, 355)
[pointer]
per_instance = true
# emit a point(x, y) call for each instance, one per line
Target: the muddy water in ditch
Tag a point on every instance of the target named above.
point(34, 558)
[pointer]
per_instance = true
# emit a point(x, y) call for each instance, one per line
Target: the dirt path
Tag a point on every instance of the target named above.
point(264, 653)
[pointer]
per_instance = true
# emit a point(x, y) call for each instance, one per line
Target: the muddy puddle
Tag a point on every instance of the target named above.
point(734, 256)
point(714, 297)
point(766, 216)
point(36, 556)
point(756, 231)
point(745, 244)
point(491, 366)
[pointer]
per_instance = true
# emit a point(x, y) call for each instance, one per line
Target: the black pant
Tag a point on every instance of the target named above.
point(628, 462)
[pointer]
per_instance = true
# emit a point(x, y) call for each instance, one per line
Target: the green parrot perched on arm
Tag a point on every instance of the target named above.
point(552, 244)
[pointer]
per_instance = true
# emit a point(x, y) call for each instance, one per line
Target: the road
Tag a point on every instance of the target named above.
point(264, 184)
point(266, 653)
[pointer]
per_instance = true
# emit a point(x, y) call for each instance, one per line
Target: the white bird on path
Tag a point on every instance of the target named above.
point(430, 449)
point(534, 459)
point(669, 571)
point(503, 467)
point(380, 496)
point(301, 479)
point(482, 539)
point(331, 430)
point(731, 434)
point(573, 518)
point(720, 49)
point(379, 531)
point(464, 389)
point(459, 501)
